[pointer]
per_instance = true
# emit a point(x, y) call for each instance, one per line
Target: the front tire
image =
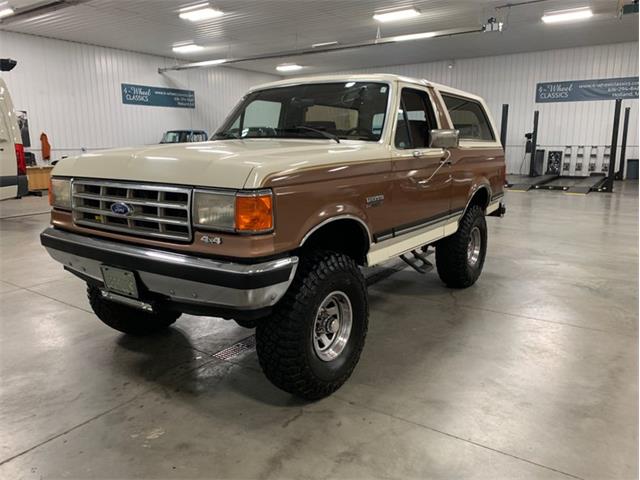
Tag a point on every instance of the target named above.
point(127, 319)
point(460, 257)
point(313, 341)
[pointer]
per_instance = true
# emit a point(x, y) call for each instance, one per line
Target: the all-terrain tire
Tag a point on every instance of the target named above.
point(453, 261)
point(127, 319)
point(285, 342)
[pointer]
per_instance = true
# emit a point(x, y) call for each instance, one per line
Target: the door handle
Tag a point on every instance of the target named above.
point(417, 153)
point(446, 160)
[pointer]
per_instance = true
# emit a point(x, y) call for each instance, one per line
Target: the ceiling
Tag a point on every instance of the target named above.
point(257, 27)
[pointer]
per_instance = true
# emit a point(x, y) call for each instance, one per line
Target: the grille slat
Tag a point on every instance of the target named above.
point(133, 201)
point(155, 210)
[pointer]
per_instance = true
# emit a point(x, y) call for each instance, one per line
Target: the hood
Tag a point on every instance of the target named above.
point(221, 163)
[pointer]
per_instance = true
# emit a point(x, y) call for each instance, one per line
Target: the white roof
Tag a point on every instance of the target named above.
point(366, 77)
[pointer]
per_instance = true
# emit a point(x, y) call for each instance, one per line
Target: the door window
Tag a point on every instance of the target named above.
point(415, 120)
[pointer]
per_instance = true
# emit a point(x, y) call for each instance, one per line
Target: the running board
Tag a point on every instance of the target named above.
point(418, 262)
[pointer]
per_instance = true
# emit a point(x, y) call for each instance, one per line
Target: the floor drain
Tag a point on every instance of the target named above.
point(236, 349)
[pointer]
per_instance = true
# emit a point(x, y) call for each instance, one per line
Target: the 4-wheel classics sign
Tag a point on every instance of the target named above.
point(625, 88)
point(157, 96)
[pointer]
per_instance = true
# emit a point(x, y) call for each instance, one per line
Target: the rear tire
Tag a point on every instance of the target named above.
point(312, 342)
point(460, 257)
point(127, 319)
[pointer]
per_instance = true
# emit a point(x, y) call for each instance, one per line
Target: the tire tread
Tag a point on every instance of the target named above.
point(451, 252)
point(280, 340)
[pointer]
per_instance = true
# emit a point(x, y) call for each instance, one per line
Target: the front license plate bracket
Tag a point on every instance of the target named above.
point(120, 281)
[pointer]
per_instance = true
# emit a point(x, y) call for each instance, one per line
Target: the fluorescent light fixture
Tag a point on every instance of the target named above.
point(208, 63)
point(5, 12)
point(396, 15)
point(324, 44)
point(197, 13)
point(413, 36)
point(187, 48)
point(289, 67)
point(567, 15)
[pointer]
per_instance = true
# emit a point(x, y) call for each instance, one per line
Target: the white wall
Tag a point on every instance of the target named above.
point(71, 91)
point(512, 79)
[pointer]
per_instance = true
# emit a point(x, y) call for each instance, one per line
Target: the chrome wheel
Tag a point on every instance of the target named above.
point(473, 247)
point(332, 326)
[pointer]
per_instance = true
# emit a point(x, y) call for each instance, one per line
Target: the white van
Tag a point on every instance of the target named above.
point(13, 168)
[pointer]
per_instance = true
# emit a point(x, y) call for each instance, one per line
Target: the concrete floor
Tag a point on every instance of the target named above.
point(531, 373)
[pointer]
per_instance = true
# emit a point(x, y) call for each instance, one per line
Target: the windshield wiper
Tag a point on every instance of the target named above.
point(225, 135)
point(328, 135)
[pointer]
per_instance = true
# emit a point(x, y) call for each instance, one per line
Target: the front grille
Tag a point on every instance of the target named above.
point(149, 210)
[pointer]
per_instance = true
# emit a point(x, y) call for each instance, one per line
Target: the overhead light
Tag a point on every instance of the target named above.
point(207, 63)
point(288, 67)
point(413, 36)
point(5, 12)
point(197, 13)
point(187, 48)
point(567, 15)
point(396, 15)
point(324, 44)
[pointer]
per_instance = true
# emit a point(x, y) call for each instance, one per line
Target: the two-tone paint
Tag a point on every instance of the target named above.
point(418, 196)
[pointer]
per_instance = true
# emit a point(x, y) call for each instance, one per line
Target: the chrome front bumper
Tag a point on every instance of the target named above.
point(180, 278)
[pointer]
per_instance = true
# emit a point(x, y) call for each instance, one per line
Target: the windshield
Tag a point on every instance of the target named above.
point(346, 110)
point(183, 136)
point(175, 137)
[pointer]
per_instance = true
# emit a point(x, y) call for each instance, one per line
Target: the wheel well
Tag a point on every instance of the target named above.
point(480, 198)
point(345, 236)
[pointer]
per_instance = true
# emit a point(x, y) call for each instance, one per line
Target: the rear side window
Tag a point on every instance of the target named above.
point(469, 117)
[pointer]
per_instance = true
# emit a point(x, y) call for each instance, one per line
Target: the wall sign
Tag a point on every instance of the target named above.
point(157, 96)
point(587, 90)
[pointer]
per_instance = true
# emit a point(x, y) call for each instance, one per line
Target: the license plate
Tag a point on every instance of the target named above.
point(119, 281)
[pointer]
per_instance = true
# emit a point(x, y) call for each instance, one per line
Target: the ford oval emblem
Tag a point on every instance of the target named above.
point(120, 208)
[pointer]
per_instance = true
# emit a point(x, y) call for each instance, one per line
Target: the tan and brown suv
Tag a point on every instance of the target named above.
point(269, 222)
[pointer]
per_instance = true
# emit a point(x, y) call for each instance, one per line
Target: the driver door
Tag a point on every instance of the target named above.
point(422, 175)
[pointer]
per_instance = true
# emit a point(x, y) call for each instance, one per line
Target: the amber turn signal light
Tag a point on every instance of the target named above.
point(254, 213)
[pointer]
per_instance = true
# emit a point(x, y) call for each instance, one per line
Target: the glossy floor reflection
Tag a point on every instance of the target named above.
point(531, 373)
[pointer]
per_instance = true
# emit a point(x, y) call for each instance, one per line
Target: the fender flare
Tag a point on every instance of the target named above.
point(336, 218)
point(474, 191)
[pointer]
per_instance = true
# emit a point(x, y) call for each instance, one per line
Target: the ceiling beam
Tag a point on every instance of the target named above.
point(312, 51)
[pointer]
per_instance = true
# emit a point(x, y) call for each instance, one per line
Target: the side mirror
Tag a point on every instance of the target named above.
point(444, 138)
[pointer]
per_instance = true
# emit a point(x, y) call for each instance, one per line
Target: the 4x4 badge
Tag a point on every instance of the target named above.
point(211, 240)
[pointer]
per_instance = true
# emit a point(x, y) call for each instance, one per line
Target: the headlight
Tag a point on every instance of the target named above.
point(60, 193)
point(214, 210)
point(249, 212)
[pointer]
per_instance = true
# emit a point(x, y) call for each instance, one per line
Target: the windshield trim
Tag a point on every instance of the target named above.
point(385, 126)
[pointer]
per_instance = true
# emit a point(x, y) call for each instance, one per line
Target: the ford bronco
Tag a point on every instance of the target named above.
point(269, 222)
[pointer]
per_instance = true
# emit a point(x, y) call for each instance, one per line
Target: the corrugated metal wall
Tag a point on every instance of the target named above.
point(71, 91)
point(512, 79)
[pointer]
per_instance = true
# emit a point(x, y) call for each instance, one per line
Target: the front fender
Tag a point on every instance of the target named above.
point(330, 213)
